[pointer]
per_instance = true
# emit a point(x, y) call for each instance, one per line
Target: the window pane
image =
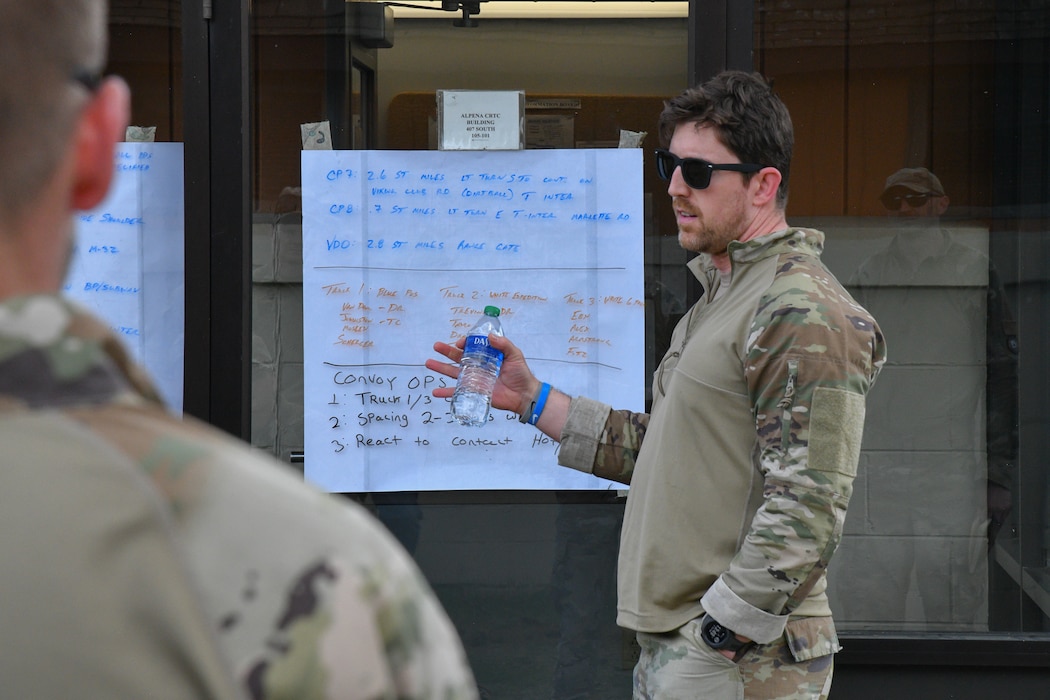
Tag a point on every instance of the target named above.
point(947, 526)
point(146, 50)
point(527, 576)
point(147, 256)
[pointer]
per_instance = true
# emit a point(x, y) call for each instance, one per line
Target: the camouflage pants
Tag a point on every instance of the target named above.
point(678, 665)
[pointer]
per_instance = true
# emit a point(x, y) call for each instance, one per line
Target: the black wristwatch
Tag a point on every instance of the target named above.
point(719, 637)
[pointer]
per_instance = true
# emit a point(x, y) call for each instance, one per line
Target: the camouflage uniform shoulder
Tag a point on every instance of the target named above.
point(311, 597)
point(804, 293)
point(54, 352)
point(806, 313)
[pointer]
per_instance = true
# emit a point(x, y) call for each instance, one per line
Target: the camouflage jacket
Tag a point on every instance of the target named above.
point(741, 474)
point(148, 556)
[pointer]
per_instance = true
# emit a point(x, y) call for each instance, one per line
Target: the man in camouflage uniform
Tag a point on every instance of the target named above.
point(145, 556)
point(741, 474)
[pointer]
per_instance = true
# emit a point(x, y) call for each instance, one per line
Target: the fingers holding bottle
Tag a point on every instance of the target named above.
point(448, 369)
point(515, 385)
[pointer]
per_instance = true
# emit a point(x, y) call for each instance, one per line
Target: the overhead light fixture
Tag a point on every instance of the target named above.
point(548, 9)
point(465, 7)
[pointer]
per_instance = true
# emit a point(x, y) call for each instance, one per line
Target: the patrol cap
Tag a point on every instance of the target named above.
point(918, 180)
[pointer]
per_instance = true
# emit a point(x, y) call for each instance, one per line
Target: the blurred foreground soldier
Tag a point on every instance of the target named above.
point(144, 556)
point(741, 473)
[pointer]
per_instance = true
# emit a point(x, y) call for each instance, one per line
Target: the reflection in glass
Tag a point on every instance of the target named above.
point(947, 524)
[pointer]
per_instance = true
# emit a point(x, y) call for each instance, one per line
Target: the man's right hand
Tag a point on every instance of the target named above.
point(516, 384)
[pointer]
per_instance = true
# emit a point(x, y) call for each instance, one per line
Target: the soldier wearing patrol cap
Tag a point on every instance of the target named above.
point(914, 192)
point(945, 487)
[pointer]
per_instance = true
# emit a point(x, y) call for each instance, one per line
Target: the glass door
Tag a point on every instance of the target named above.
point(527, 575)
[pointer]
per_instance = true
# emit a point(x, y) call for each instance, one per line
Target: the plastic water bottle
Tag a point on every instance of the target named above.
point(479, 369)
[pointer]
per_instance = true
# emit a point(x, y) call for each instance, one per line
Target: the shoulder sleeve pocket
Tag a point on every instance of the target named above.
point(835, 430)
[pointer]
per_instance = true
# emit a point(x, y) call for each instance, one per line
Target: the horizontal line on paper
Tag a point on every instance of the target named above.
point(468, 269)
point(413, 364)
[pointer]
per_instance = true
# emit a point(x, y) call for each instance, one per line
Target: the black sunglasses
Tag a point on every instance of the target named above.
point(695, 171)
point(893, 201)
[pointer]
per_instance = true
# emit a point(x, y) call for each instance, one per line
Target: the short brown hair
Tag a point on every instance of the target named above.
point(43, 45)
point(748, 118)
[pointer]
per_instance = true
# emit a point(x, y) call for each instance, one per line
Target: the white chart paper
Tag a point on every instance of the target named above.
point(404, 248)
point(128, 260)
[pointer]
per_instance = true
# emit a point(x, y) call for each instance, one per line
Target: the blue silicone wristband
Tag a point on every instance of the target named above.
point(541, 401)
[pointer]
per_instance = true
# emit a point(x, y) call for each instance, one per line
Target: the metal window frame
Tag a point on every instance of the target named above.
point(218, 214)
point(217, 135)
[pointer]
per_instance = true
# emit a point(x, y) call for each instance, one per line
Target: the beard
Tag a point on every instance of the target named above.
point(703, 234)
point(919, 237)
point(918, 224)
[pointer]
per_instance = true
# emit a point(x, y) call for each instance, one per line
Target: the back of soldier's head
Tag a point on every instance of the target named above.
point(49, 49)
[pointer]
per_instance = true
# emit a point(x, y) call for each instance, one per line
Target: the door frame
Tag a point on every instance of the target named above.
point(217, 134)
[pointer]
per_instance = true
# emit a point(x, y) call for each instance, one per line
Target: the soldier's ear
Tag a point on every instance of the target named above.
point(941, 205)
point(764, 185)
point(101, 125)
